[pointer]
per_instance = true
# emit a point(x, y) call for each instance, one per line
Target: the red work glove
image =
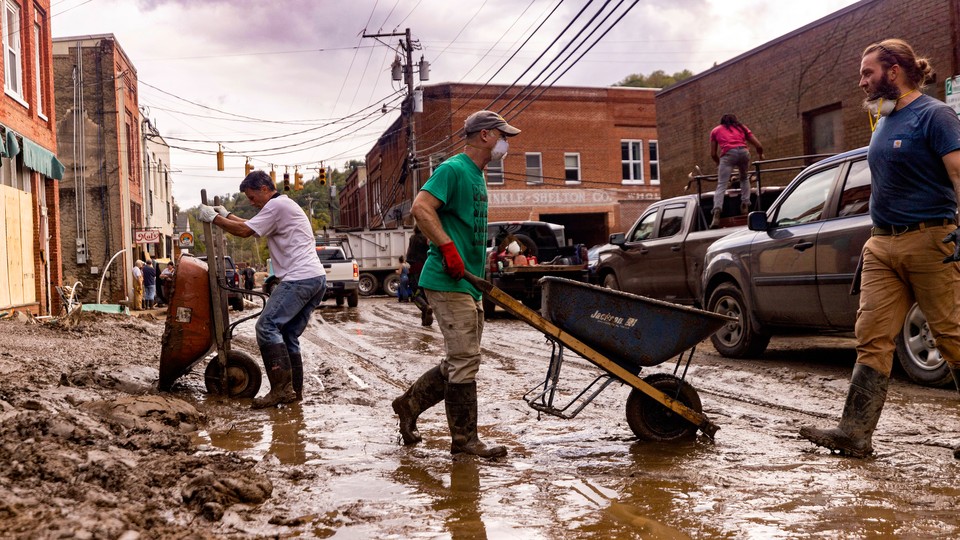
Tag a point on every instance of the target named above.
point(452, 263)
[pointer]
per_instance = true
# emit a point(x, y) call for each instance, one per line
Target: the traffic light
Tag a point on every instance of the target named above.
point(219, 158)
point(273, 176)
point(247, 168)
point(323, 175)
point(286, 179)
point(297, 179)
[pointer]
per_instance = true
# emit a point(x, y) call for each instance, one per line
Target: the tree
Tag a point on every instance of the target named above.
point(656, 79)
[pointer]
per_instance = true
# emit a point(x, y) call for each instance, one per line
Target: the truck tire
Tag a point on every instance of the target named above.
point(368, 284)
point(610, 282)
point(391, 285)
point(736, 339)
point(918, 354)
point(339, 300)
point(354, 299)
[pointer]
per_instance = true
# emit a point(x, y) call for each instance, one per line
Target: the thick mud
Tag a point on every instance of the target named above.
point(91, 450)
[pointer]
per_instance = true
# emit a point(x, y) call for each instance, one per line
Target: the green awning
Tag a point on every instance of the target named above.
point(12, 148)
point(38, 158)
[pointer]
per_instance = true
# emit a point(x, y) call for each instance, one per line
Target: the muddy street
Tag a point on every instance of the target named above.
point(335, 467)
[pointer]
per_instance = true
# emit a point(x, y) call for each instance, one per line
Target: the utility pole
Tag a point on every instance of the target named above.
point(408, 45)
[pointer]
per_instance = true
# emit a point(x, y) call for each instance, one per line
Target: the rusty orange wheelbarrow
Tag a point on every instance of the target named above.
point(198, 326)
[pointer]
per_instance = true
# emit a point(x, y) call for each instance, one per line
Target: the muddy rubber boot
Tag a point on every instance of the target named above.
point(296, 370)
point(426, 392)
point(716, 219)
point(865, 399)
point(276, 360)
point(461, 404)
point(426, 312)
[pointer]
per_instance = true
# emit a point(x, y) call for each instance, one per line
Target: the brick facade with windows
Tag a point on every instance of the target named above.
point(30, 252)
point(799, 93)
point(100, 144)
point(589, 123)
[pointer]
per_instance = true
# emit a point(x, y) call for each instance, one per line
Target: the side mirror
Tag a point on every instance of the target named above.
point(618, 239)
point(757, 221)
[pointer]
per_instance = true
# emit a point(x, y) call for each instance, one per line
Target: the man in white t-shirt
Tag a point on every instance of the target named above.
point(303, 281)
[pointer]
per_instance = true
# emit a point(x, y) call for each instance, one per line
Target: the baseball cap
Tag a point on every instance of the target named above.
point(488, 120)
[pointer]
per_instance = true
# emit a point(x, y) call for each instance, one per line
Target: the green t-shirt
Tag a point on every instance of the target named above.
point(460, 186)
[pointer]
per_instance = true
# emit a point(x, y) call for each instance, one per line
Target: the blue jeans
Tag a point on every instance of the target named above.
point(150, 292)
point(738, 158)
point(288, 311)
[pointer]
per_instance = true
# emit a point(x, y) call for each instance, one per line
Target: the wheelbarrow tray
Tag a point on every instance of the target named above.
point(633, 331)
point(187, 333)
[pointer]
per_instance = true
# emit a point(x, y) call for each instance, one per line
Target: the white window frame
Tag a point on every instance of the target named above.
point(494, 172)
point(654, 163)
point(14, 53)
point(37, 60)
point(566, 168)
point(632, 160)
point(538, 177)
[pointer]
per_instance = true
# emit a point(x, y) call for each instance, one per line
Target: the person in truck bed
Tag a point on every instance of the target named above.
point(303, 281)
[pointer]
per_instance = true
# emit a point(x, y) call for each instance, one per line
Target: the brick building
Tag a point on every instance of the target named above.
point(799, 93)
point(587, 158)
point(30, 254)
point(99, 142)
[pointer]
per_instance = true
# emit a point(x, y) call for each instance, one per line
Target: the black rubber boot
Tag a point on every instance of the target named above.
point(461, 404)
point(865, 399)
point(296, 369)
point(426, 392)
point(276, 360)
point(426, 312)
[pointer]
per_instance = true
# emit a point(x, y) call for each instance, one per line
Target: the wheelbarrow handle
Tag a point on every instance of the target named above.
point(481, 284)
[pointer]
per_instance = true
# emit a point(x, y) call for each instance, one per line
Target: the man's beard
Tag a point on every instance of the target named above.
point(885, 90)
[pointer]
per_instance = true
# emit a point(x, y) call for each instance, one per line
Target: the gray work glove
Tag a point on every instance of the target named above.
point(222, 211)
point(207, 213)
point(953, 237)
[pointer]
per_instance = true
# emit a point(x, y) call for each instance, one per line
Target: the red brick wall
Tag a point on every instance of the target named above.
point(817, 66)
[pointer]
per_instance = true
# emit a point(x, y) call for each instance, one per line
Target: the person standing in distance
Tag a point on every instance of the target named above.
point(451, 210)
point(914, 160)
point(303, 281)
point(728, 148)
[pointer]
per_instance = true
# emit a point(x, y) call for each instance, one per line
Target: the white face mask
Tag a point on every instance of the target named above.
point(499, 150)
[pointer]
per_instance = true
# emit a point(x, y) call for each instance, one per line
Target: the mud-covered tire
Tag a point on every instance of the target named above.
point(918, 354)
point(391, 285)
point(735, 339)
point(651, 421)
point(610, 282)
point(354, 299)
point(368, 284)
point(243, 376)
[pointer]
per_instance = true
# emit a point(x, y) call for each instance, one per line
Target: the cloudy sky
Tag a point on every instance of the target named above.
point(290, 82)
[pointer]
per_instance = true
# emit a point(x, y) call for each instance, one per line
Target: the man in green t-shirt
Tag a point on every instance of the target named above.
point(451, 210)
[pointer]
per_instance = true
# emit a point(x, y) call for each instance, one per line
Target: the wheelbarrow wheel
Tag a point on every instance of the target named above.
point(243, 376)
point(651, 421)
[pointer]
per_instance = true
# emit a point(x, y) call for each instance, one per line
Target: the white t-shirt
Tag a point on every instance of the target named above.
point(289, 238)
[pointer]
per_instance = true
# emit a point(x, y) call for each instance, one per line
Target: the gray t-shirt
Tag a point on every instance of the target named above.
point(290, 239)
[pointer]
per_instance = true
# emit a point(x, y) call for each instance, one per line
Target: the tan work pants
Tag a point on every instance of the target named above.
point(898, 271)
point(460, 319)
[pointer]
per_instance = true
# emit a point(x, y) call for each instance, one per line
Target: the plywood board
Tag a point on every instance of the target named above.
point(4, 273)
point(11, 202)
point(26, 244)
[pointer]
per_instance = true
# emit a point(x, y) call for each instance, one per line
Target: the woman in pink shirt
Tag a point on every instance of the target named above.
point(728, 148)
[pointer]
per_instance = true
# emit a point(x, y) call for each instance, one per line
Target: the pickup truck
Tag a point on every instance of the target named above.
point(547, 244)
point(343, 274)
point(661, 256)
point(792, 270)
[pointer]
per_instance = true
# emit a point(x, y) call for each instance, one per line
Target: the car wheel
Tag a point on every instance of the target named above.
point(918, 354)
point(651, 421)
point(610, 282)
point(368, 284)
point(736, 339)
point(391, 285)
point(354, 299)
point(243, 376)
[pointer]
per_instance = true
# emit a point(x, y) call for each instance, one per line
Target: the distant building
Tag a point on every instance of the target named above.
point(30, 254)
point(158, 205)
point(799, 93)
point(102, 194)
point(588, 158)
